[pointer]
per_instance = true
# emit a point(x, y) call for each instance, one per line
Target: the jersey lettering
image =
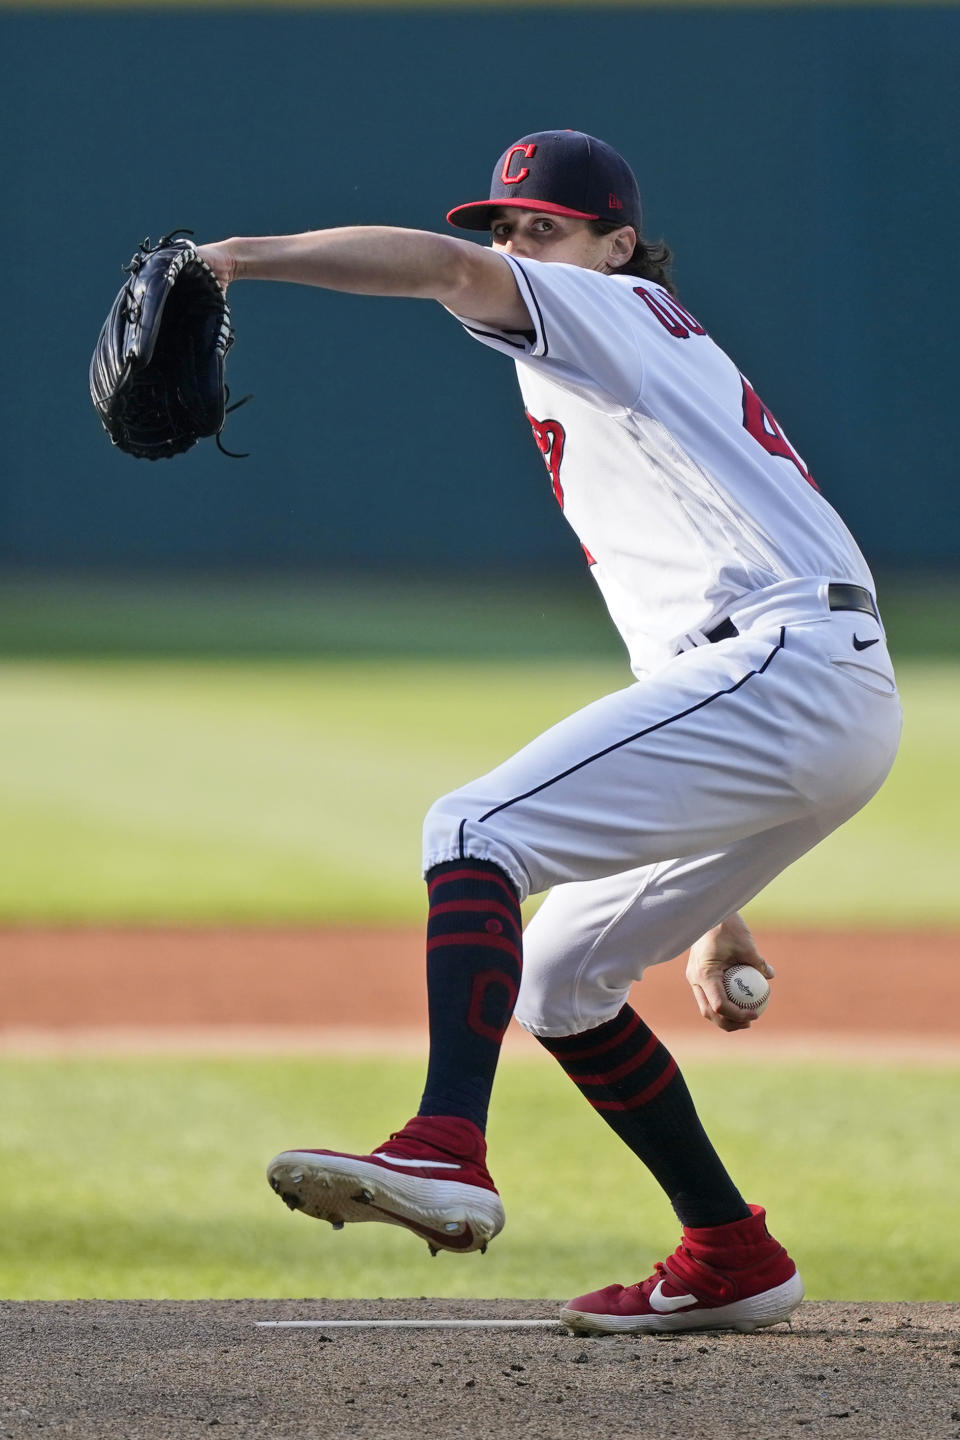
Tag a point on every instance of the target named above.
point(670, 313)
point(760, 422)
point(528, 152)
point(550, 437)
point(673, 304)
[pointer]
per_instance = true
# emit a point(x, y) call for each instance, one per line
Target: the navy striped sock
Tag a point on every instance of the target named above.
point(473, 975)
point(633, 1082)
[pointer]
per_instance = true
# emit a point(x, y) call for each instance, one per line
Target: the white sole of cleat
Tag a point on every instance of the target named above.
point(768, 1308)
point(343, 1190)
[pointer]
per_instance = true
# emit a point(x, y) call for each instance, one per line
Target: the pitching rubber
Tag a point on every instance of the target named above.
point(345, 1190)
point(768, 1308)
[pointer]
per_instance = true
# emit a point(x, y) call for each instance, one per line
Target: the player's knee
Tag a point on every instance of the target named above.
point(548, 1008)
point(552, 1003)
point(441, 828)
point(569, 983)
point(537, 1010)
point(453, 830)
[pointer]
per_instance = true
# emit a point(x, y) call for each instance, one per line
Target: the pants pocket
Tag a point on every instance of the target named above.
point(879, 681)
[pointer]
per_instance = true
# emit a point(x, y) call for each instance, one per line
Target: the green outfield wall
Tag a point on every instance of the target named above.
point(798, 159)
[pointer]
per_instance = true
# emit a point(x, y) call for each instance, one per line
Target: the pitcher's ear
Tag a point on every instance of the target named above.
point(622, 244)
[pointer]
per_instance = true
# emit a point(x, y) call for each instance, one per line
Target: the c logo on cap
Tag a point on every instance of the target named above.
point(527, 151)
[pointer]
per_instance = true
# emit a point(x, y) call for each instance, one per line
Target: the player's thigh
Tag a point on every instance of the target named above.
point(589, 942)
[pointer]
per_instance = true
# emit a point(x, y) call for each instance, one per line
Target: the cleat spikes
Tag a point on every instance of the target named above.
point(434, 1250)
point(483, 1249)
point(430, 1178)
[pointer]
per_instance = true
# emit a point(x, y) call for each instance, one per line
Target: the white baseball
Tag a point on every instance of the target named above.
point(747, 988)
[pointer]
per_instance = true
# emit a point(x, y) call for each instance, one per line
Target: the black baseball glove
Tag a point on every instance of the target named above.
point(156, 376)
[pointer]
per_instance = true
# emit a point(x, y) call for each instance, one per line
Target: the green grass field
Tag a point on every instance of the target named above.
point(126, 1178)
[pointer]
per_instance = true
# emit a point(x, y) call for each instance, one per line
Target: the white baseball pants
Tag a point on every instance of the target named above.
point(659, 810)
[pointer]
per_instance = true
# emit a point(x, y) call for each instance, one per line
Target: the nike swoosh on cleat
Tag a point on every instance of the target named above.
point(436, 1237)
point(664, 1304)
point(865, 644)
point(416, 1164)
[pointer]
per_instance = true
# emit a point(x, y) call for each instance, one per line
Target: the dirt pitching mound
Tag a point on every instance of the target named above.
point(132, 1369)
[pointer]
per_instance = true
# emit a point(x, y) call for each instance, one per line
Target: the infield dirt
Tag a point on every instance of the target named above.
point(885, 991)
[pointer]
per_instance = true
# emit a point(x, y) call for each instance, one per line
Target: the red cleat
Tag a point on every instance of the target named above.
point(430, 1177)
point(724, 1277)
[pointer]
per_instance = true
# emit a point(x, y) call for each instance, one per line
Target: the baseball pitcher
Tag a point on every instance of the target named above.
point(762, 714)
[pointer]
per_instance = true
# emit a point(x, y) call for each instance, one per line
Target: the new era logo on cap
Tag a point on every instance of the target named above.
point(563, 172)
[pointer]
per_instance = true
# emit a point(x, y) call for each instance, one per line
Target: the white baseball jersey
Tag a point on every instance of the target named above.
point(658, 810)
point(682, 488)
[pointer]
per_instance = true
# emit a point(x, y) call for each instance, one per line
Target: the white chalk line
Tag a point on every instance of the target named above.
point(405, 1324)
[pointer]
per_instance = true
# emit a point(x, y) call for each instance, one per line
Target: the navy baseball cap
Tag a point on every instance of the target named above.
point(560, 172)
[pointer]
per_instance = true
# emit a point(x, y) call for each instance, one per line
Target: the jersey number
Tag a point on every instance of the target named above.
point(760, 422)
point(550, 437)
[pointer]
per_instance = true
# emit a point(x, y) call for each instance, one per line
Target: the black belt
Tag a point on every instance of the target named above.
point(840, 596)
